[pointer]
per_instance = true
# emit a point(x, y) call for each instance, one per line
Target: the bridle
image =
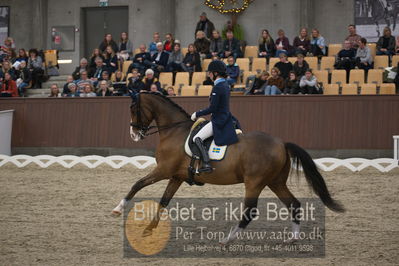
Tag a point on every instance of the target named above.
point(143, 130)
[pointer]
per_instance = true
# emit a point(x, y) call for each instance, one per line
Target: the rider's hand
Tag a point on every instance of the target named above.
point(194, 116)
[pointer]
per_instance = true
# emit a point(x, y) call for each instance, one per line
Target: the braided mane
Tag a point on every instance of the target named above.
point(167, 99)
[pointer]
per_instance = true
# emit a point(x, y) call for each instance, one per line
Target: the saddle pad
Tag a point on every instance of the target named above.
point(215, 152)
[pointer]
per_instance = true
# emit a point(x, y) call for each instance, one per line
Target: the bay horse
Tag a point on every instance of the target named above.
point(257, 160)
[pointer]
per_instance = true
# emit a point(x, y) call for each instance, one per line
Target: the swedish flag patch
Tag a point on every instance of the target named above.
point(216, 150)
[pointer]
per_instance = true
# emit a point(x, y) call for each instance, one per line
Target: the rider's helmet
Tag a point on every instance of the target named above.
point(217, 66)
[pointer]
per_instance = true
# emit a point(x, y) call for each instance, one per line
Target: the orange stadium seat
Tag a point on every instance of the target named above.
point(338, 76)
point(381, 62)
point(243, 63)
point(125, 66)
point(327, 63)
point(356, 76)
point(331, 89)
point(251, 51)
point(166, 78)
point(187, 90)
point(313, 62)
point(198, 78)
point(387, 88)
point(292, 60)
point(321, 75)
point(273, 61)
point(395, 60)
point(368, 88)
point(136, 51)
point(259, 64)
point(349, 89)
point(373, 48)
point(333, 49)
point(182, 78)
point(204, 90)
point(205, 64)
point(184, 50)
point(375, 76)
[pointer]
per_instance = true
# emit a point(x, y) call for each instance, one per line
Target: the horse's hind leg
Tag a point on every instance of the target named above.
point(289, 200)
point(170, 191)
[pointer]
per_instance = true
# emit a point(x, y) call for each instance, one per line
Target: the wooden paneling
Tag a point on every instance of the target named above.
point(314, 122)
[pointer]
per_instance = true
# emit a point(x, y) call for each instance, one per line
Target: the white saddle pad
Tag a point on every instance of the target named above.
point(216, 153)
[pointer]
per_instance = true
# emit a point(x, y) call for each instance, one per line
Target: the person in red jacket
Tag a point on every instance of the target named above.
point(9, 87)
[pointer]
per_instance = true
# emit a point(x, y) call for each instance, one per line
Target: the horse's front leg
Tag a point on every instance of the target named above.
point(151, 178)
point(170, 191)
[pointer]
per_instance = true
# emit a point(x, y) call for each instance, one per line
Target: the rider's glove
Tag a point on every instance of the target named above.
point(194, 116)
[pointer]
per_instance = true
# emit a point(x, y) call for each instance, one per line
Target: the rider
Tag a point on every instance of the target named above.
point(221, 124)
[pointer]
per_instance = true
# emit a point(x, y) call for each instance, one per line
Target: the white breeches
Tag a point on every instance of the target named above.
point(205, 132)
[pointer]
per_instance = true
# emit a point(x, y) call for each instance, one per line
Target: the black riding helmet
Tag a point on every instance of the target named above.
point(217, 66)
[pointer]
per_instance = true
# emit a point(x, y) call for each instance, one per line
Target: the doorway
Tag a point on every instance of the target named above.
point(99, 21)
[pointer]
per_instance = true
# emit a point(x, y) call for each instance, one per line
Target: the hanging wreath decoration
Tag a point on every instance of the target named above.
point(221, 5)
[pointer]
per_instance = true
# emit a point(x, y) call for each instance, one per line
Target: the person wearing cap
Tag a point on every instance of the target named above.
point(205, 25)
point(221, 125)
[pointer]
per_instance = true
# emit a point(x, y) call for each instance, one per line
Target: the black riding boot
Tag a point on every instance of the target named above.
point(206, 167)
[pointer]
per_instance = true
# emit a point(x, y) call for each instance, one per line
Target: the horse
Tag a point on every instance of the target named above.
point(257, 160)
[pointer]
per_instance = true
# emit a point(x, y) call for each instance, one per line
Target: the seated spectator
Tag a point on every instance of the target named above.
point(353, 38)
point(6, 68)
point(386, 43)
point(308, 83)
point(292, 84)
point(9, 87)
point(231, 46)
point(259, 85)
point(54, 91)
point(205, 25)
point(11, 56)
point(88, 91)
point(364, 60)
point(22, 55)
point(125, 47)
point(175, 61)
point(141, 61)
point(302, 43)
point(202, 44)
point(300, 66)
point(111, 60)
point(171, 91)
point(135, 85)
point(105, 76)
point(284, 66)
point(24, 78)
point(216, 45)
point(96, 53)
point(35, 64)
point(169, 42)
point(83, 66)
point(72, 90)
point(119, 84)
point(346, 58)
point(104, 89)
point(275, 84)
point(154, 88)
point(282, 44)
point(267, 48)
point(108, 41)
point(150, 79)
point(152, 47)
point(159, 59)
point(97, 72)
point(83, 81)
point(317, 44)
point(232, 71)
point(65, 88)
point(192, 61)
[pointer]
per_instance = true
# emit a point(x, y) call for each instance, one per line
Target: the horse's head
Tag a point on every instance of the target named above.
point(141, 118)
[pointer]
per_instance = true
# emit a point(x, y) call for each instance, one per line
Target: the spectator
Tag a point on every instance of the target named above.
point(11, 56)
point(150, 79)
point(259, 85)
point(152, 47)
point(275, 83)
point(105, 76)
point(54, 91)
point(353, 38)
point(282, 44)
point(6, 68)
point(175, 61)
point(169, 42)
point(96, 72)
point(317, 44)
point(308, 83)
point(104, 89)
point(235, 28)
point(232, 71)
point(65, 89)
point(35, 64)
point(231, 46)
point(9, 87)
point(125, 47)
point(300, 66)
point(160, 58)
point(83, 66)
point(119, 84)
point(202, 44)
point(216, 45)
point(24, 78)
point(96, 53)
point(141, 61)
point(111, 60)
point(292, 84)
point(171, 91)
point(346, 58)
point(192, 61)
point(302, 43)
point(386, 43)
point(364, 60)
point(108, 41)
point(88, 91)
point(84, 79)
point(72, 90)
point(135, 85)
point(154, 88)
point(22, 55)
point(284, 66)
point(267, 48)
point(205, 25)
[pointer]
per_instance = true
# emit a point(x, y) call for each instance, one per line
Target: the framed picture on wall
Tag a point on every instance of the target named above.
point(4, 23)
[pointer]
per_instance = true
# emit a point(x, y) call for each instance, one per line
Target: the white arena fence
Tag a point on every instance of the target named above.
point(142, 162)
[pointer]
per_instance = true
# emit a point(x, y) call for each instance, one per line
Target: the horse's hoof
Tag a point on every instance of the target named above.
point(116, 213)
point(147, 232)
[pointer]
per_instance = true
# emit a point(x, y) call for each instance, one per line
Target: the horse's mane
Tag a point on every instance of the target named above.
point(167, 99)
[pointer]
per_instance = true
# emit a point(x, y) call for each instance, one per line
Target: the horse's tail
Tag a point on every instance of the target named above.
point(313, 176)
